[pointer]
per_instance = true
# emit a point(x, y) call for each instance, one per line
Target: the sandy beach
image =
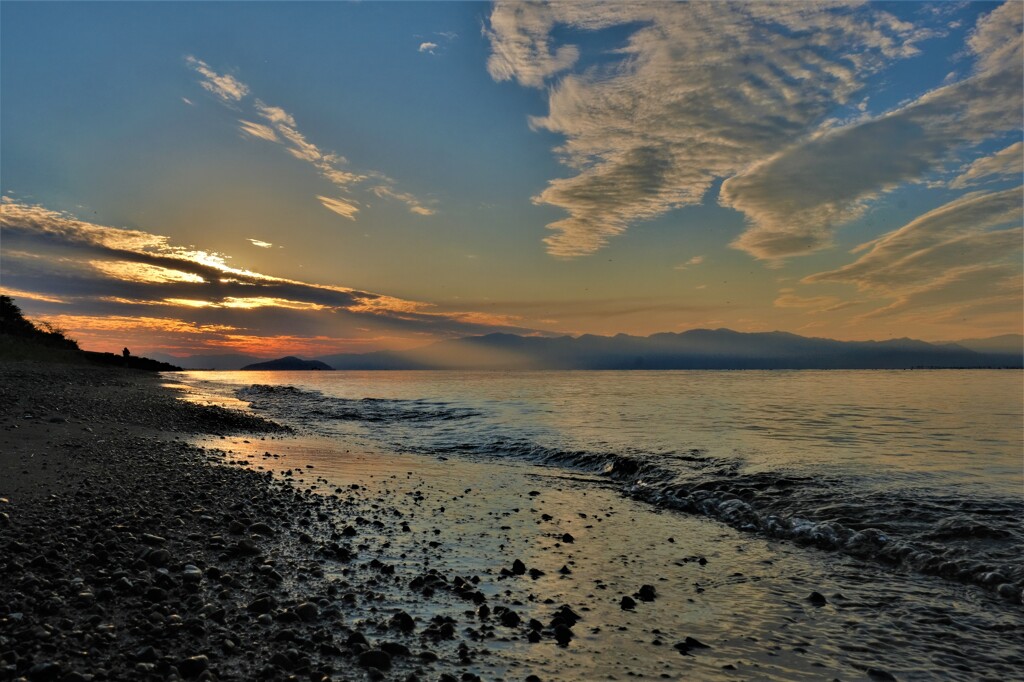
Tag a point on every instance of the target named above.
point(147, 537)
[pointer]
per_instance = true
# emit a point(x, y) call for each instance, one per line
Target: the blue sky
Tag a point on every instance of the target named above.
point(544, 169)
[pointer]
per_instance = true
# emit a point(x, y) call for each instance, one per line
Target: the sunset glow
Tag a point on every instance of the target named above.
point(572, 168)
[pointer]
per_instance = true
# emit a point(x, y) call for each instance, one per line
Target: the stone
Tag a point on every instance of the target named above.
point(646, 593)
point(403, 621)
point(375, 658)
point(510, 618)
point(193, 666)
point(307, 611)
point(568, 539)
point(44, 672)
point(262, 604)
point(817, 599)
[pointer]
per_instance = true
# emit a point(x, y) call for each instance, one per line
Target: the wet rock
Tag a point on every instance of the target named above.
point(627, 603)
point(563, 635)
point(375, 658)
point(159, 557)
point(881, 675)
point(154, 540)
point(191, 574)
point(307, 611)
point(261, 529)
point(518, 567)
point(646, 593)
point(403, 621)
point(44, 672)
point(689, 644)
point(146, 654)
point(509, 618)
point(264, 603)
point(395, 649)
point(193, 666)
point(817, 599)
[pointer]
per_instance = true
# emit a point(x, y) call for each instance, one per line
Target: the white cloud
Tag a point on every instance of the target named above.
point(187, 101)
point(339, 206)
point(428, 47)
point(258, 130)
point(414, 204)
point(700, 91)
point(281, 128)
point(796, 199)
point(260, 243)
point(696, 260)
point(225, 86)
point(1008, 162)
point(966, 249)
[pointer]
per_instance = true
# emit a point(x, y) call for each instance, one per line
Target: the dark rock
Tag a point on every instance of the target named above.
point(647, 593)
point(307, 611)
point(518, 567)
point(563, 635)
point(44, 672)
point(403, 621)
point(193, 666)
point(262, 604)
point(375, 658)
point(159, 557)
point(817, 599)
point(568, 539)
point(394, 649)
point(881, 675)
point(510, 618)
point(627, 603)
point(565, 570)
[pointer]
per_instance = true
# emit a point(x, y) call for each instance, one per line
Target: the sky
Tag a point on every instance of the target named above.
point(311, 178)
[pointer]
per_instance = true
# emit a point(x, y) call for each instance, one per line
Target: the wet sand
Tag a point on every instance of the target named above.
point(135, 545)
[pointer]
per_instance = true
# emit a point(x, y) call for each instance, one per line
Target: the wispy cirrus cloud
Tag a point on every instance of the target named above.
point(1006, 163)
point(279, 126)
point(968, 249)
point(225, 86)
point(700, 91)
point(111, 273)
point(343, 208)
point(260, 243)
point(696, 260)
point(795, 200)
point(766, 97)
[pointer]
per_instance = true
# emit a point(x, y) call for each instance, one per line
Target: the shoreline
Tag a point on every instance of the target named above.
point(313, 561)
point(128, 553)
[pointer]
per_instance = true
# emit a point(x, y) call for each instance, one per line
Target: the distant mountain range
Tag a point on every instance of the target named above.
point(288, 363)
point(695, 349)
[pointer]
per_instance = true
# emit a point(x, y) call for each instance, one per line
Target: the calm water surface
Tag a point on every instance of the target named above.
point(918, 470)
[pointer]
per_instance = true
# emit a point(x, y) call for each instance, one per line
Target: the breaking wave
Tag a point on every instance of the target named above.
point(972, 541)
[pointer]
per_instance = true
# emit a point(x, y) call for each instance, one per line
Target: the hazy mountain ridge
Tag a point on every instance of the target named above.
point(289, 362)
point(694, 349)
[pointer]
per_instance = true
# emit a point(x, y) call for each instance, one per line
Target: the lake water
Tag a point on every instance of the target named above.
point(915, 471)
